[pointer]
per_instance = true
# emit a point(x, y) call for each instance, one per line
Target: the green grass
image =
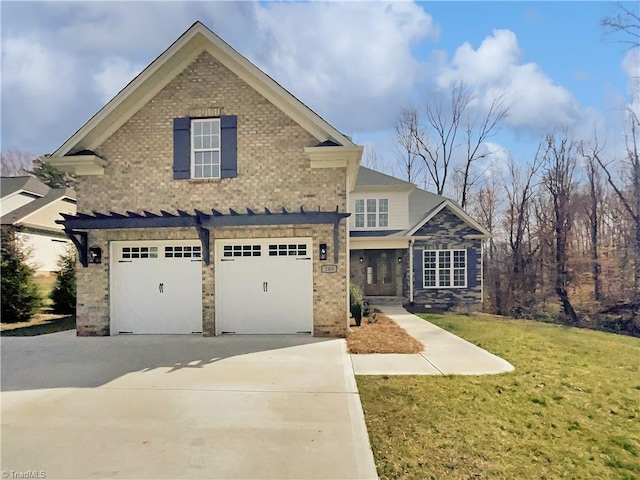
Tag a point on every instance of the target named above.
point(45, 284)
point(43, 322)
point(570, 410)
point(40, 324)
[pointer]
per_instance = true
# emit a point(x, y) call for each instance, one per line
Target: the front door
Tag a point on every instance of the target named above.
point(380, 276)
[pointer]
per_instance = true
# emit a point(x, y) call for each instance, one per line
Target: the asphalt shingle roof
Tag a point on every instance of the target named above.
point(9, 185)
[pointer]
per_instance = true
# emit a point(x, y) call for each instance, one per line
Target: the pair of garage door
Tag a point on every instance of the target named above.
point(262, 286)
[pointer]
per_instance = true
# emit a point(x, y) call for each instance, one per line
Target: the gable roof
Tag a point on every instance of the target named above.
point(172, 62)
point(456, 210)
point(10, 185)
point(20, 214)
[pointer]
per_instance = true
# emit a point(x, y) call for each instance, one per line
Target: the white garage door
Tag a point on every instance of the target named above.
point(156, 287)
point(264, 286)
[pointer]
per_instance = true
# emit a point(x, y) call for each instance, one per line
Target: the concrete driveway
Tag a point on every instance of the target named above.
point(174, 407)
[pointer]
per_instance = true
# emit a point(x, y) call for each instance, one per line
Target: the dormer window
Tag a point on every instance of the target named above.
point(372, 213)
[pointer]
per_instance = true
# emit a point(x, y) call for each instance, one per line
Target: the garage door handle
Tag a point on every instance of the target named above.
point(265, 286)
point(161, 287)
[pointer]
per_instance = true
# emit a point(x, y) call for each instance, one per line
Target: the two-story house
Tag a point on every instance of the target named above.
point(213, 201)
point(210, 200)
point(413, 245)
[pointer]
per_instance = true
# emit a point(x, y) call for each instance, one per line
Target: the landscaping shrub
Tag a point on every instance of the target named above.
point(20, 296)
point(63, 294)
point(355, 302)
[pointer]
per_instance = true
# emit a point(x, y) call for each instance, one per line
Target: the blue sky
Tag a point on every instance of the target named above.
point(354, 63)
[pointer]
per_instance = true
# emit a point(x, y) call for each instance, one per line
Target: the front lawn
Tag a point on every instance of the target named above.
point(570, 410)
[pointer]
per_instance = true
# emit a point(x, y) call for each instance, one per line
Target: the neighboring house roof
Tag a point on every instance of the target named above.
point(9, 185)
point(43, 197)
point(170, 64)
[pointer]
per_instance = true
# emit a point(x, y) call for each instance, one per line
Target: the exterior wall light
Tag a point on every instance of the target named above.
point(95, 255)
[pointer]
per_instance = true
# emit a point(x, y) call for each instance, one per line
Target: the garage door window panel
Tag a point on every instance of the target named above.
point(287, 250)
point(242, 251)
point(183, 251)
point(139, 252)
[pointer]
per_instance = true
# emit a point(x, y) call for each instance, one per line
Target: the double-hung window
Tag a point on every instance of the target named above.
point(372, 213)
point(205, 148)
point(445, 268)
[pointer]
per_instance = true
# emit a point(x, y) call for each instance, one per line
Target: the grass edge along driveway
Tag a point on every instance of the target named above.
point(569, 410)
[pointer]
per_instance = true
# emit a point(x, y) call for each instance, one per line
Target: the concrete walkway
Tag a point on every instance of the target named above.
point(444, 353)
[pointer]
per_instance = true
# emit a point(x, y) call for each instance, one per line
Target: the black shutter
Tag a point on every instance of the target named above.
point(418, 266)
point(473, 259)
point(181, 148)
point(229, 146)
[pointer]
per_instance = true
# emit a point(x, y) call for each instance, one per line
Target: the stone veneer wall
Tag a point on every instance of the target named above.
point(272, 172)
point(447, 232)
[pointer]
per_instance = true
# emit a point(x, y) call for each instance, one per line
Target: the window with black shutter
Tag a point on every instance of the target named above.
point(205, 148)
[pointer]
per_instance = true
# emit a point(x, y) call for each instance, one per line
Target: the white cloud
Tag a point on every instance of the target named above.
point(631, 66)
point(351, 62)
point(35, 93)
point(114, 75)
point(354, 65)
point(496, 65)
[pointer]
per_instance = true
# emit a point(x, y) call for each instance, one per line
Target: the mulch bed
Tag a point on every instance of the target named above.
point(383, 336)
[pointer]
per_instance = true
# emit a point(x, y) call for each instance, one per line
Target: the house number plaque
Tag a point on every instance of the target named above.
point(329, 268)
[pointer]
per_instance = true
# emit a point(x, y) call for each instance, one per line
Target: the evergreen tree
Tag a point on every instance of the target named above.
point(20, 296)
point(63, 294)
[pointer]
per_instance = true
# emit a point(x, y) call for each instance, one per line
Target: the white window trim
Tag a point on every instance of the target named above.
point(437, 269)
point(365, 213)
point(194, 121)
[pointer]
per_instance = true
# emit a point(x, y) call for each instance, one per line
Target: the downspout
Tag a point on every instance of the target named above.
point(482, 273)
point(411, 241)
point(347, 225)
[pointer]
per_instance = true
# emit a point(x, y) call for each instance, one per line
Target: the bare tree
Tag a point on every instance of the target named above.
point(593, 211)
point(560, 163)
point(478, 130)
point(519, 187)
point(16, 162)
point(371, 158)
point(625, 22)
point(628, 195)
point(448, 125)
point(406, 130)
point(485, 210)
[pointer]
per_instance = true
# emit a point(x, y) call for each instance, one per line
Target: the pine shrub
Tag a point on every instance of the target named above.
point(63, 294)
point(20, 296)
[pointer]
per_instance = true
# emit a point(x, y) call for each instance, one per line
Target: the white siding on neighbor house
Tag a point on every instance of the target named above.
point(43, 251)
point(46, 217)
point(398, 208)
point(13, 202)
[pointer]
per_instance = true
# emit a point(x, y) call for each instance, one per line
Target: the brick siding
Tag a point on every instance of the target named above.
point(272, 172)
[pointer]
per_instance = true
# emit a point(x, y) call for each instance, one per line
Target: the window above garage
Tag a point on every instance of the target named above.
point(205, 148)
